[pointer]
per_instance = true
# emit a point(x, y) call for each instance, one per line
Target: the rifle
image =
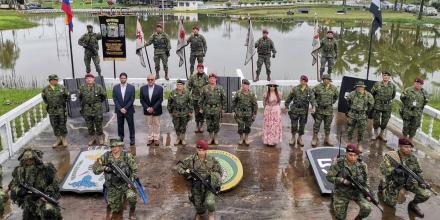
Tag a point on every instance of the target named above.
point(365, 191)
point(197, 177)
point(37, 192)
point(90, 47)
point(410, 173)
point(136, 184)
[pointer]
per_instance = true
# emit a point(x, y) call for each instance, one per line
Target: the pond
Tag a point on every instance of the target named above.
point(28, 56)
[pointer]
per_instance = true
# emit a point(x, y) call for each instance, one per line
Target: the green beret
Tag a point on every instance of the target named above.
point(360, 84)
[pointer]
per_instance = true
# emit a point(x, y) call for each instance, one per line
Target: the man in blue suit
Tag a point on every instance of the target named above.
point(151, 96)
point(123, 97)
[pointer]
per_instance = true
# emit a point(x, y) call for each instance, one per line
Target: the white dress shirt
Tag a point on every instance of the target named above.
point(150, 91)
point(123, 88)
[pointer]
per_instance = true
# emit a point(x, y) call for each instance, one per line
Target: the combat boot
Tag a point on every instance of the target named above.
point(375, 134)
point(182, 139)
point(177, 139)
point(215, 139)
point(383, 135)
point(211, 138)
point(246, 141)
point(57, 142)
point(157, 75)
point(292, 139)
point(412, 206)
point(92, 140)
point(240, 142)
point(64, 141)
point(257, 78)
point(299, 141)
point(315, 140)
point(268, 77)
point(327, 140)
point(166, 76)
point(132, 214)
point(211, 216)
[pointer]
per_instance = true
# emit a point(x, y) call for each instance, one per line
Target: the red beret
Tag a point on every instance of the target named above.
point(419, 80)
point(265, 31)
point(212, 75)
point(353, 148)
point(305, 78)
point(200, 65)
point(405, 141)
point(89, 75)
point(201, 144)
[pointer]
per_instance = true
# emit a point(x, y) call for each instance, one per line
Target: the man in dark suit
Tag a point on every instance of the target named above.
point(151, 96)
point(123, 97)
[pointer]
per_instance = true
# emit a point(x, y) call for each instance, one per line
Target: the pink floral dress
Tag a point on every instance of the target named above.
point(272, 126)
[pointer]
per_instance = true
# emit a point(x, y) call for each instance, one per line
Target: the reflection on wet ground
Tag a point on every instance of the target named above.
point(277, 184)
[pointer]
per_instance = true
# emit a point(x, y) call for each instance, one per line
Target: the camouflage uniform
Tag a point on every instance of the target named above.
point(210, 168)
point(91, 107)
point(359, 105)
point(212, 102)
point(55, 98)
point(179, 107)
point(90, 43)
point(298, 100)
point(413, 103)
point(162, 47)
point(395, 181)
point(342, 194)
point(116, 189)
point(325, 97)
point(264, 48)
point(383, 97)
point(245, 107)
point(195, 85)
point(329, 53)
point(198, 50)
point(40, 175)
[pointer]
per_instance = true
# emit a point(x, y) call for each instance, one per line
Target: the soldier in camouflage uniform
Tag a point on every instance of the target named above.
point(91, 96)
point(180, 109)
point(244, 107)
point(383, 93)
point(162, 47)
point(414, 100)
point(90, 43)
point(344, 191)
point(395, 178)
point(326, 95)
point(329, 53)
point(195, 84)
point(55, 97)
point(360, 102)
point(299, 99)
point(213, 105)
point(40, 175)
point(209, 168)
point(117, 190)
point(265, 47)
point(198, 48)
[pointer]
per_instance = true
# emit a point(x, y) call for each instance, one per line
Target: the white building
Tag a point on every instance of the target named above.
point(189, 5)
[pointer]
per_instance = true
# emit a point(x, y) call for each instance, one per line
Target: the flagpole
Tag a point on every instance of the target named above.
point(253, 73)
point(369, 49)
point(186, 68)
point(71, 53)
point(148, 60)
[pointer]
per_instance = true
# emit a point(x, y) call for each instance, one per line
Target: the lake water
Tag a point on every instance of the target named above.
point(28, 56)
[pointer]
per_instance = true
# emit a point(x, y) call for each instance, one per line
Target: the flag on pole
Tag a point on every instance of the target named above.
point(140, 42)
point(181, 43)
point(65, 6)
point(249, 43)
point(377, 14)
point(316, 44)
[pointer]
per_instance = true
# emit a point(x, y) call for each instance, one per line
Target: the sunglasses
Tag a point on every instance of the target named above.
point(150, 79)
point(272, 86)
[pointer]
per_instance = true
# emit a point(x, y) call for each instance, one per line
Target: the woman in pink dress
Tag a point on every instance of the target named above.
point(272, 126)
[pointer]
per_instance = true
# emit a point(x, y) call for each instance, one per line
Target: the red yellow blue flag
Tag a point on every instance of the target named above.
point(65, 7)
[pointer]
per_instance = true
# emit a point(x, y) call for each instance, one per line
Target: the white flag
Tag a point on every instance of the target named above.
point(249, 43)
point(316, 44)
point(181, 43)
point(140, 42)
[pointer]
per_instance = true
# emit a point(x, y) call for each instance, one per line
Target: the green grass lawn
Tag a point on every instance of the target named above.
point(11, 98)
point(13, 20)
point(79, 4)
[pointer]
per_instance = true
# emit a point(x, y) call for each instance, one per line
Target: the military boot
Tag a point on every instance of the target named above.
point(246, 141)
point(182, 139)
point(299, 141)
point(157, 75)
point(132, 213)
point(92, 140)
point(240, 142)
point(166, 76)
point(211, 216)
point(268, 77)
point(315, 140)
point(211, 138)
point(177, 139)
point(57, 142)
point(215, 139)
point(375, 134)
point(292, 139)
point(383, 135)
point(412, 206)
point(257, 78)
point(64, 141)
point(327, 140)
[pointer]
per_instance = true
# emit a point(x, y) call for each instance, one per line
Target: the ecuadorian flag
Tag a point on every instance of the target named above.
point(65, 6)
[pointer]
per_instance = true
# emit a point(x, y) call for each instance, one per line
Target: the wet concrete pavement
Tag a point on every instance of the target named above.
point(278, 182)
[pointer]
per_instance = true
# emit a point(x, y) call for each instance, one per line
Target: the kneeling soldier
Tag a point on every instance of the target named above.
point(115, 188)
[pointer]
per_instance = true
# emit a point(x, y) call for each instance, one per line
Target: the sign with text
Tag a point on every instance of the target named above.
point(113, 37)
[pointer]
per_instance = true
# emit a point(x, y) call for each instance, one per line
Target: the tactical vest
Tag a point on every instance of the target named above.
point(160, 41)
point(196, 43)
point(264, 46)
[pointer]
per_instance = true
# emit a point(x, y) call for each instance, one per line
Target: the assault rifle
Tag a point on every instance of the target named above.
point(38, 193)
point(136, 184)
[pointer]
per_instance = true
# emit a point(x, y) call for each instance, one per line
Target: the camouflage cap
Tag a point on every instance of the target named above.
point(360, 84)
point(53, 77)
point(245, 81)
point(386, 73)
point(116, 142)
point(326, 76)
point(29, 153)
point(179, 81)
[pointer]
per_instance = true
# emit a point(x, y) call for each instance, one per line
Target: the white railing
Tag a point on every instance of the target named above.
point(20, 125)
